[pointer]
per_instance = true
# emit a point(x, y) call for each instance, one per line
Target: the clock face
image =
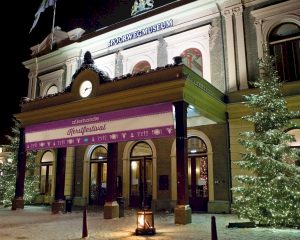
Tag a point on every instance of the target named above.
point(85, 88)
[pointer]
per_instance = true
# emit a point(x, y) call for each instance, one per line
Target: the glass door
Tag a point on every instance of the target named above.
point(98, 173)
point(141, 182)
point(141, 175)
point(98, 176)
point(198, 183)
point(197, 174)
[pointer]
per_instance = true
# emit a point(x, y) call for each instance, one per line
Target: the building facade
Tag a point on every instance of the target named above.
point(150, 108)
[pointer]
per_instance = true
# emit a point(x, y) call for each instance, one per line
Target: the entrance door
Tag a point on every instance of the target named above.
point(141, 182)
point(197, 174)
point(46, 171)
point(197, 179)
point(98, 183)
point(98, 176)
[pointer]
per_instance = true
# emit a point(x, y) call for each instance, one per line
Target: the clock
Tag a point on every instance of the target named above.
point(85, 88)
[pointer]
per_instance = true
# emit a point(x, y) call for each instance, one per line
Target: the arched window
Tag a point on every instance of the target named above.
point(141, 175)
point(142, 66)
point(284, 41)
point(46, 170)
point(197, 174)
point(98, 176)
point(52, 90)
point(192, 58)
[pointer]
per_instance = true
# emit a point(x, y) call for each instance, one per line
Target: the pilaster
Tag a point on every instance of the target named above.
point(241, 53)
point(58, 204)
point(231, 63)
point(71, 66)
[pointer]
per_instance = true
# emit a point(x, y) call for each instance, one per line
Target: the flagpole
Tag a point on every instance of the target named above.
point(53, 22)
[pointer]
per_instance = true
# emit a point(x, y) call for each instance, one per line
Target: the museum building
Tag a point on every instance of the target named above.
point(149, 108)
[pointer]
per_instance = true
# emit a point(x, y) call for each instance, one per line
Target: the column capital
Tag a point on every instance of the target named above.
point(238, 11)
point(227, 13)
point(32, 74)
point(258, 22)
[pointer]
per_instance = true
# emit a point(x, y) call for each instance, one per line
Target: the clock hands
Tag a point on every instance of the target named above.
point(87, 89)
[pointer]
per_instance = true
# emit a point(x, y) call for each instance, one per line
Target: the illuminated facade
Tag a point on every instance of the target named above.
point(183, 164)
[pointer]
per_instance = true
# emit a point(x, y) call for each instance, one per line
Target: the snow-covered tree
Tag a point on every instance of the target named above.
point(270, 193)
point(9, 170)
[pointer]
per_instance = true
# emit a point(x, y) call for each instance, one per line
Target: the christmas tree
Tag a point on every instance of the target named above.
point(9, 170)
point(270, 193)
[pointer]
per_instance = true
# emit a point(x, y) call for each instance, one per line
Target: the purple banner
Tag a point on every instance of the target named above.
point(155, 121)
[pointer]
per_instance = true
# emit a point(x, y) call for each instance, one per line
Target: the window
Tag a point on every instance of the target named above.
point(46, 173)
point(142, 66)
point(52, 90)
point(284, 42)
point(192, 58)
point(296, 144)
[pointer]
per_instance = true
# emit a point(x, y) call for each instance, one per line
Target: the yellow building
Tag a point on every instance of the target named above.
point(150, 108)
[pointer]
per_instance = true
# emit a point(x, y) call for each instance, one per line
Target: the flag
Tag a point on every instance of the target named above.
point(43, 6)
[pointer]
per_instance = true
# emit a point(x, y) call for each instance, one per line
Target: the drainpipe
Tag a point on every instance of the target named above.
point(229, 163)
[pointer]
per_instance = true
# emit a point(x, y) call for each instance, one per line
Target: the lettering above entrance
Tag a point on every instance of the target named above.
point(154, 121)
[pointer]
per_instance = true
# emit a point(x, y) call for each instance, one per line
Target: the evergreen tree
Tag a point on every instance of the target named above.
point(270, 193)
point(9, 169)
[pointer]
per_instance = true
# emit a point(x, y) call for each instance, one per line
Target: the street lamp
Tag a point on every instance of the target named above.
point(145, 219)
point(145, 223)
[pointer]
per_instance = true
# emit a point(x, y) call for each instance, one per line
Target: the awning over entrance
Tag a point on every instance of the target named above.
point(131, 108)
point(154, 121)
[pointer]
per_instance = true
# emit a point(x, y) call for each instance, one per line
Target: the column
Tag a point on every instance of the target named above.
point(18, 201)
point(231, 64)
point(183, 213)
point(259, 37)
point(111, 207)
point(58, 204)
point(71, 66)
point(241, 53)
point(32, 84)
point(162, 53)
point(119, 64)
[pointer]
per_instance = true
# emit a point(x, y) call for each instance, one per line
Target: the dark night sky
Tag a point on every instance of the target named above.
point(87, 14)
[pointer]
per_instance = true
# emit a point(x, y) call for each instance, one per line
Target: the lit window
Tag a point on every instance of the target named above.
point(296, 143)
point(192, 58)
point(46, 173)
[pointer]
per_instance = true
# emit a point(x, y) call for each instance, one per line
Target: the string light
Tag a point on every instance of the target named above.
point(270, 195)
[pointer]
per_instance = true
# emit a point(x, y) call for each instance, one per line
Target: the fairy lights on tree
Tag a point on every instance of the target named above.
point(9, 171)
point(270, 193)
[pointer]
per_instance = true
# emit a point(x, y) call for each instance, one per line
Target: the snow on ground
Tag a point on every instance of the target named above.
point(38, 223)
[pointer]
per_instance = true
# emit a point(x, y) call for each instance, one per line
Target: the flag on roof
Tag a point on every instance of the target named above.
point(45, 4)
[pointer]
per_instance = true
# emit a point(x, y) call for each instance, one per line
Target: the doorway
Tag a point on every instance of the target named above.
point(141, 178)
point(98, 176)
point(197, 174)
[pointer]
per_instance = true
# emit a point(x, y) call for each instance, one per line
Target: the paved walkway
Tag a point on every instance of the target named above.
point(37, 223)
